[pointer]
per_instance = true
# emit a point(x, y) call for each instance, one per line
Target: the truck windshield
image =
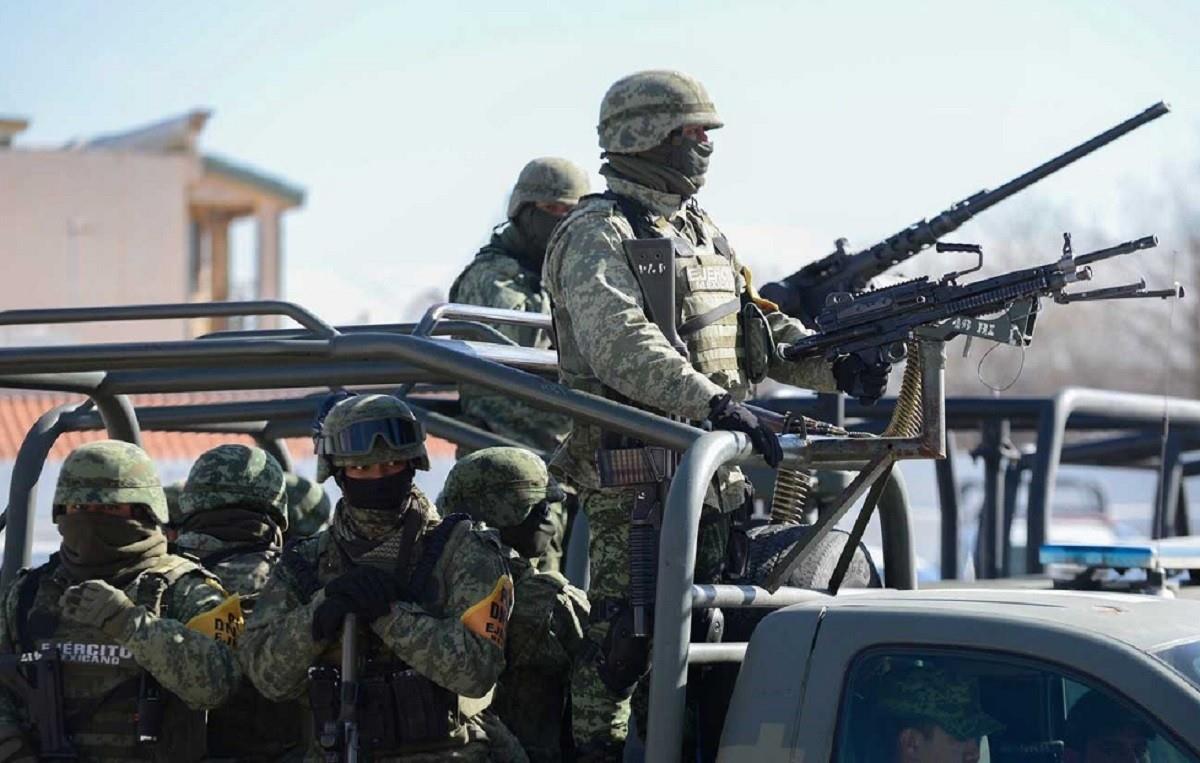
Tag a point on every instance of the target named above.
point(1184, 659)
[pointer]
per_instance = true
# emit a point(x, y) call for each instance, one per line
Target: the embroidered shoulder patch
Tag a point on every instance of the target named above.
point(223, 622)
point(489, 617)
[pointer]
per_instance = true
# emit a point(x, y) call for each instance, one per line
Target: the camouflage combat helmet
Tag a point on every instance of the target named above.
point(308, 506)
point(361, 430)
point(929, 694)
point(239, 476)
point(172, 493)
point(548, 179)
point(498, 486)
point(639, 111)
point(111, 471)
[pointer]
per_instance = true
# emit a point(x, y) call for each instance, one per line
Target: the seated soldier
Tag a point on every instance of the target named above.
point(1100, 730)
point(131, 626)
point(308, 508)
point(232, 519)
point(510, 490)
point(431, 600)
point(931, 716)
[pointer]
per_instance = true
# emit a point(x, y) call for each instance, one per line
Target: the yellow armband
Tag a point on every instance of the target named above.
point(223, 622)
point(489, 617)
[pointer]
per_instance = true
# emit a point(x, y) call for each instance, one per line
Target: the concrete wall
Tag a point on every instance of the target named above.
point(93, 228)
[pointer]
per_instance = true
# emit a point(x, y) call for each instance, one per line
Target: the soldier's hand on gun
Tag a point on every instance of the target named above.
point(365, 590)
point(732, 416)
point(96, 603)
point(857, 378)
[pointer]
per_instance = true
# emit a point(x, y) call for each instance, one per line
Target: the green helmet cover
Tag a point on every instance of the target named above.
point(639, 111)
point(110, 472)
point(307, 505)
point(499, 486)
point(235, 475)
point(358, 408)
point(548, 179)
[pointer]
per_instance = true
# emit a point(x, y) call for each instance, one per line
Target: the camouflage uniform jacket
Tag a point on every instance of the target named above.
point(545, 635)
point(606, 342)
point(497, 277)
point(248, 727)
point(440, 637)
point(169, 640)
point(242, 572)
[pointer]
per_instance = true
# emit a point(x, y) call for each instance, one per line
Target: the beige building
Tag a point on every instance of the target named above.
point(134, 217)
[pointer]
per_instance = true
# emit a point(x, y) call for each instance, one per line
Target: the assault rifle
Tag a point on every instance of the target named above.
point(876, 325)
point(803, 294)
point(36, 680)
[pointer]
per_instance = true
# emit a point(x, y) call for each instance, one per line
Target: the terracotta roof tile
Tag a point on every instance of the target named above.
point(19, 411)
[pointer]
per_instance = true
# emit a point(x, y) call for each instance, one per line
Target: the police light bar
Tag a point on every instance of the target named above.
point(1170, 553)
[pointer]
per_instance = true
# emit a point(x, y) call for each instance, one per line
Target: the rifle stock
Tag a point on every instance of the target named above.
point(803, 294)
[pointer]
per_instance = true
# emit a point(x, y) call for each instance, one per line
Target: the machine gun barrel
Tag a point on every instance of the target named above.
point(803, 294)
point(1145, 242)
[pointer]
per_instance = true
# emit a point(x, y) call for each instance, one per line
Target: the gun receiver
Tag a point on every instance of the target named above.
point(803, 294)
point(876, 325)
point(36, 679)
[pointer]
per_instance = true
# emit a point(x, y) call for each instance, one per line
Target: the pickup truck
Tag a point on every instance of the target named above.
point(812, 686)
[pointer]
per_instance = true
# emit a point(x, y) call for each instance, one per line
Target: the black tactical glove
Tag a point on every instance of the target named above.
point(365, 590)
point(735, 417)
point(857, 378)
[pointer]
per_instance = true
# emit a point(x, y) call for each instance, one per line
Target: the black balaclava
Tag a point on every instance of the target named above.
point(535, 226)
point(99, 546)
point(677, 165)
point(388, 493)
point(531, 538)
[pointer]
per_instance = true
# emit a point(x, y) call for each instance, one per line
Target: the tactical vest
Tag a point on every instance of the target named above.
point(400, 711)
point(102, 684)
point(249, 726)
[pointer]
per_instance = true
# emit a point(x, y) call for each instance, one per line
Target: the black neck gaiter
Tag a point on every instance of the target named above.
point(234, 525)
point(535, 226)
point(532, 537)
point(388, 493)
point(102, 547)
point(677, 165)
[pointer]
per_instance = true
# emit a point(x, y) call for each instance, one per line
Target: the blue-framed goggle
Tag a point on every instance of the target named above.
point(359, 438)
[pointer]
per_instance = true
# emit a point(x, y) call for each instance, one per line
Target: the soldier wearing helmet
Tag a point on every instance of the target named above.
point(689, 343)
point(509, 489)
point(308, 507)
point(142, 636)
point(232, 517)
point(431, 598)
point(507, 273)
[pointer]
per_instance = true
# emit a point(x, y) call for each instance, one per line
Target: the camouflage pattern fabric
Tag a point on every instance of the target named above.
point(498, 278)
point(599, 716)
point(498, 486)
point(605, 339)
point(308, 507)
point(439, 636)
point(195, 669)
point(235, 475)
point(640, 110)
point(360, 408)
point(547, 179)
point(111, 471)
point(930, 694)
point(545, 638)
point(242, 573)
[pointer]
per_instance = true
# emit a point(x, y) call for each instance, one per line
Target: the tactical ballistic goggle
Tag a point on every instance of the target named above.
point(358, 438)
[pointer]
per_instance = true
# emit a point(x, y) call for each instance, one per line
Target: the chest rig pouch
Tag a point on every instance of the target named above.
point(399, 710)
point(128, 704)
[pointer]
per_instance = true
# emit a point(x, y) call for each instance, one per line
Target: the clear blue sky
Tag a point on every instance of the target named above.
point(407, 122)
